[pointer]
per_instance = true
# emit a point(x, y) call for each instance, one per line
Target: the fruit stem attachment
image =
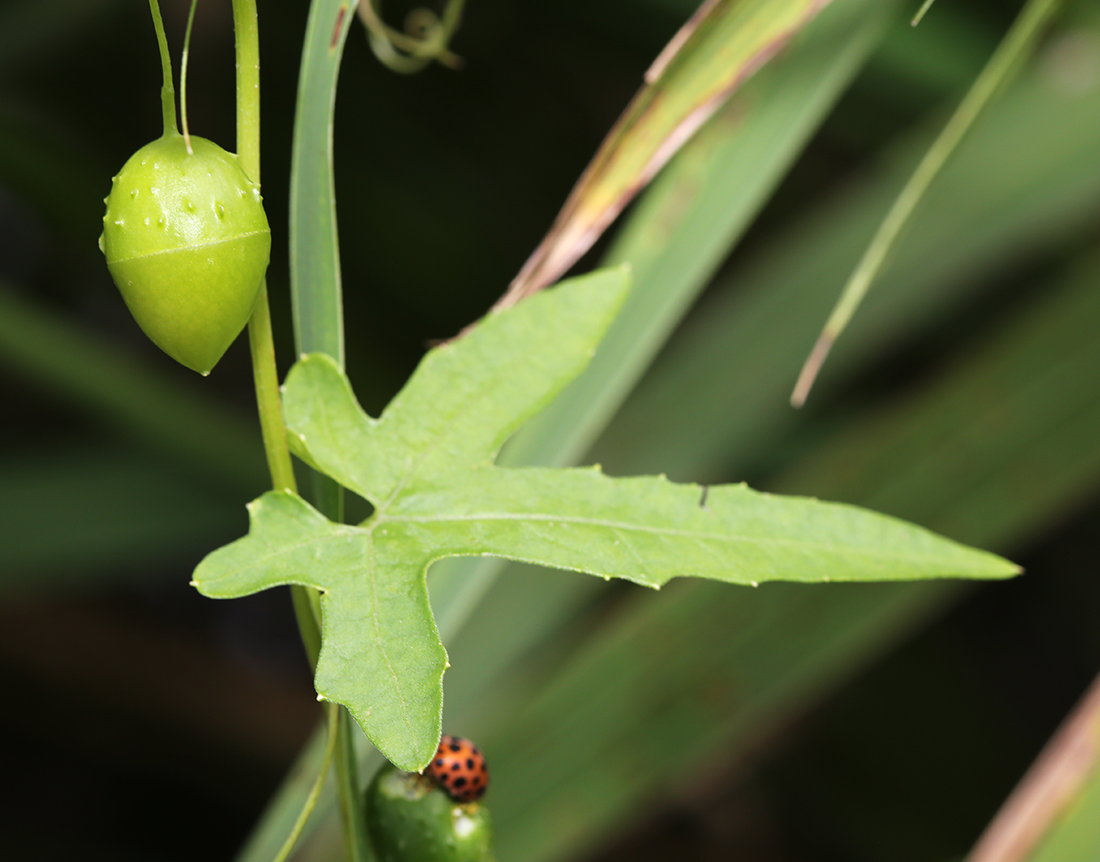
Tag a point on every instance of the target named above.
point(183, 77)
point(167, 90)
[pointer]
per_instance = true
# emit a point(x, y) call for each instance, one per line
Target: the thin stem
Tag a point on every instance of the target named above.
point(246, 25)
point(266, 377)
point(183, 76)
point(925, 6)
point(167, 90)
point(265, 373)
point(1016, 44)
point(347, 781)
point(333, 712)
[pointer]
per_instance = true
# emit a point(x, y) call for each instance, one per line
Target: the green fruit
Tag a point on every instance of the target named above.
point(187, 242)
point(410, 819)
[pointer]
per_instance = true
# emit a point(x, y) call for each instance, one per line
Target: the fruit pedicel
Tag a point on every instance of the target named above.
point(186, 238)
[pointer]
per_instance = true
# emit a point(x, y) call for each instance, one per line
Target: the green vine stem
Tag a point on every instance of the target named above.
point(259, 326)
point(262, 344)
point(266, 378)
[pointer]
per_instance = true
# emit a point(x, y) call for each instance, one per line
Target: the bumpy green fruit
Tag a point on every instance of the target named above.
point(187, 242)
point(410, 819)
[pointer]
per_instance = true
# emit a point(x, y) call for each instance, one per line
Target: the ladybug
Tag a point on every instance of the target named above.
point(459, 768)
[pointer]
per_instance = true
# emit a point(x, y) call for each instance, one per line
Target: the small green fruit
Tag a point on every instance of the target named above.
point(187, 242)
point(410, 819)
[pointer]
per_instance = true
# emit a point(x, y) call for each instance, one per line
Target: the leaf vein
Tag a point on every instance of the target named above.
point(696, 535)
point(379, 641)
point(261, 561)
point(414, 468)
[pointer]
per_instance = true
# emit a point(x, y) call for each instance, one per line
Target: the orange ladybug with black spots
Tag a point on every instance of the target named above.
point(459, 768)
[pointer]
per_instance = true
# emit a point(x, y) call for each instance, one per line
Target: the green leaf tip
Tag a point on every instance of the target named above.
point(427, 467)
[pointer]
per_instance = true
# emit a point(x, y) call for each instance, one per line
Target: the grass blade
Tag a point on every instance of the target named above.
point(314, 250)
point(686, 223)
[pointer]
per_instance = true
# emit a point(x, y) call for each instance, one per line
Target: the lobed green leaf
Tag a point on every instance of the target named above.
point(426, 465)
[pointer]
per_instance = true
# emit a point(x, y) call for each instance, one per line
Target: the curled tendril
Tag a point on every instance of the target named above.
point(424, 39)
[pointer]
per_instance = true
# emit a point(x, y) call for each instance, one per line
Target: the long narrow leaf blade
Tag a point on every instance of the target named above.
point(314, 249)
